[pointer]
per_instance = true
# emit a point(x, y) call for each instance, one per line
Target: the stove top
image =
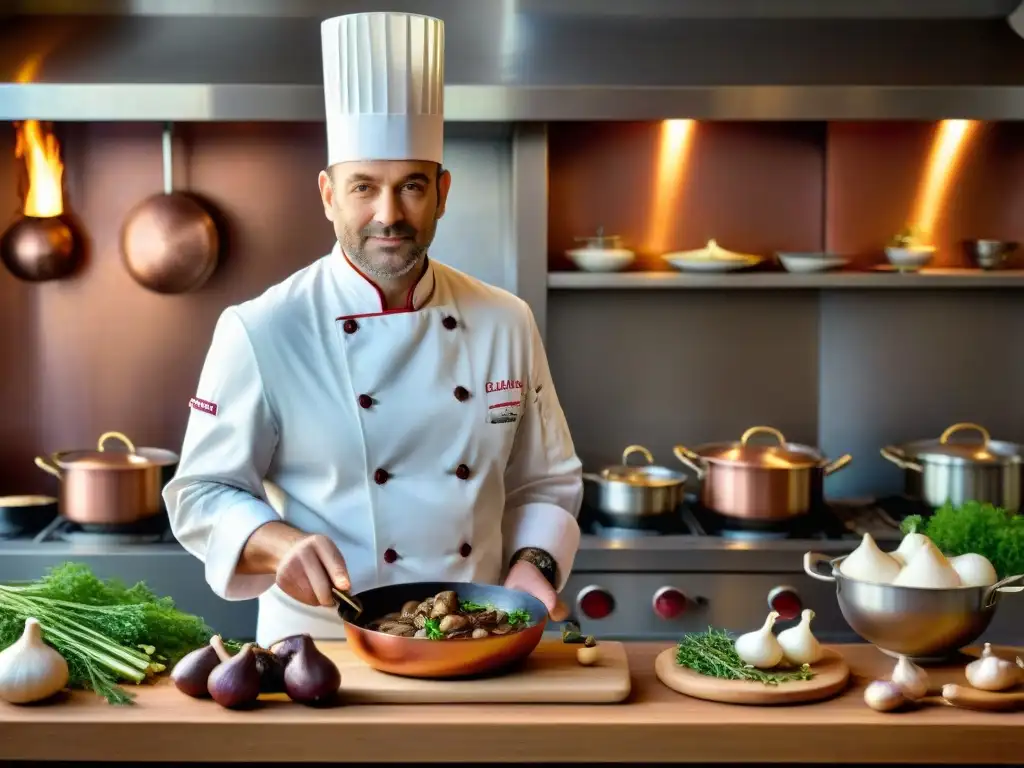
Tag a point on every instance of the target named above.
point(833, 521)
point(152, 530)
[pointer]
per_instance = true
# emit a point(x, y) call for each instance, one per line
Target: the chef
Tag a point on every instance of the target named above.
point(378, 417)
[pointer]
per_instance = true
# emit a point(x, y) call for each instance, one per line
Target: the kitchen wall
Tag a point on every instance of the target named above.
point(97, 352)
point(849, 370)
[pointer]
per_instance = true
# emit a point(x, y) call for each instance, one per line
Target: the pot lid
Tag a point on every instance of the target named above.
point(129, 458)
point(650, 476)
point(982, 451)
point(782, 455)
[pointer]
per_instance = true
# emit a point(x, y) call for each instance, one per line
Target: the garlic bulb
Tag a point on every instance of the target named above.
point(798, 644)
point(910, 678)
point(928, 569)
point(910, 545)
point(869, 563)
point(760, 648)
point(974, 570)
point(884, 696)
point(992, 673)
point(30, 670)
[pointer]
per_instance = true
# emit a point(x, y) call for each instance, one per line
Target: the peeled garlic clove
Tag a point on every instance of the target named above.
point(992, 673)
point(928, 569)
point(911, 545)
point(911, 679)
point(760, 648)
point(30, 670)
point(974, 570)
point(869, 563)
point(798, 644)
point(884, 696)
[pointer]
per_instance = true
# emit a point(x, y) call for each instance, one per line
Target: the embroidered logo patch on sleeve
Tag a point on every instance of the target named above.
point(203, 405)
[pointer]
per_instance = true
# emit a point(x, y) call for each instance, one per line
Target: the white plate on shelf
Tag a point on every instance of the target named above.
point(712, 265)
point(803, 263)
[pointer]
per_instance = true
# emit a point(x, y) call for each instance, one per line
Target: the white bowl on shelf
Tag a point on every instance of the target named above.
point(910, 258)
point(711, 258)
point(601, 259)
point(802, 263)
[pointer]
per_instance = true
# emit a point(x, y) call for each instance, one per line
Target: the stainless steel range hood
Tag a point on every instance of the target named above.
point(525, 60)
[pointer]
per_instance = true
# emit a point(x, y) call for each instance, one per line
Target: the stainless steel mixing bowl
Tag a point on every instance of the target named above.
point(926, 625)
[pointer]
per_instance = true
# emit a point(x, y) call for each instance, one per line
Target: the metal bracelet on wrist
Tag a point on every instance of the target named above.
point(543, 561)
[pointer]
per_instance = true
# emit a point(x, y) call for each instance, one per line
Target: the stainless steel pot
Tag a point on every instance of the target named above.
point(633, 495)
point(924, 624)
point(760, 482)
point(940, 471)
point(101, 487)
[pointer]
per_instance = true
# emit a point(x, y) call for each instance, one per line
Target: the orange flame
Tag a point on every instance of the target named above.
point(673, 152)
point(951, 138)
point(41, 152)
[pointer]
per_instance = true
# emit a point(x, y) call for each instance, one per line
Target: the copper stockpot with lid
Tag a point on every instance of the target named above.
point(101, 487)
point(760, 482)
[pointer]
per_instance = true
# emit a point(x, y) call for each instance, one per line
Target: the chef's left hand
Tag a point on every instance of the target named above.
point(526, 577)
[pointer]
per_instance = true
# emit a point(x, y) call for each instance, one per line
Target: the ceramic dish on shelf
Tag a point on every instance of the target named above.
point(711, 258)
point(802, 263)
point(910, 258)
point(602, 253)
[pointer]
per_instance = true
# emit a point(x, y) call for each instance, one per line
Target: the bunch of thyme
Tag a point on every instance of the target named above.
point(713, 653)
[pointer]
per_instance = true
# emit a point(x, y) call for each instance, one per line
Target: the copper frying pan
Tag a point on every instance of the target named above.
point(439, 659)
point(169, 241)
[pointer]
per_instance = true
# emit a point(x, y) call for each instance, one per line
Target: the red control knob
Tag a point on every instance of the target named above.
point(595, 602)
point(786, 602)
point(669, 603)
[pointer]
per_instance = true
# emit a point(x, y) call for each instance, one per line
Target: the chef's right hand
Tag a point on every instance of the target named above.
point(309, 568)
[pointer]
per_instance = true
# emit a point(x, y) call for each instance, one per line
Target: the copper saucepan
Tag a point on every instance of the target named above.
point(758, 482)
point(169, 242)
point(101, 487)
point(439, 659)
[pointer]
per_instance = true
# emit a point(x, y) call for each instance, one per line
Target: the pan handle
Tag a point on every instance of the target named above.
point(690, 459)
point(48, 466)
point(119, 436)
point(838, 464)
point(992, 593)
point(897, 457)
point(812, 561)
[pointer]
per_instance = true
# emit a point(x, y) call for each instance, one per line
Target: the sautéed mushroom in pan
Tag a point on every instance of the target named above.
point(445, 617)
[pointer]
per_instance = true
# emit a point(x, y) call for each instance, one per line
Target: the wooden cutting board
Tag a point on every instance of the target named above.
point(831, 675)
point(550, 675)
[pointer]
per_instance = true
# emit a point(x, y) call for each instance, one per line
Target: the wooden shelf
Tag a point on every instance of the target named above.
point(931, 278)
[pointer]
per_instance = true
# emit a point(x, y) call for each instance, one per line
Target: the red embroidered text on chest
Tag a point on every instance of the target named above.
point(203, 405)
point(503, 384)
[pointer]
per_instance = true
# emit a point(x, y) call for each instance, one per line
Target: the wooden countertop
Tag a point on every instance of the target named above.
point(654, 725)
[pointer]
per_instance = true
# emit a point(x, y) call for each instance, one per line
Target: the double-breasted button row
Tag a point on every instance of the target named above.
point(449, 322)
point(380, 476)
point(350, 326)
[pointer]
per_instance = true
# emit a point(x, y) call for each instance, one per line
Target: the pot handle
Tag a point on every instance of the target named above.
point(592, 477)
point(690, 459)
point(811, 562)
point(636, 449)
point(838, 464)
point(897, 457)
point(944, 437)
point(992, 593)
point(118, 435)
point(48, 466)
point(769, 430)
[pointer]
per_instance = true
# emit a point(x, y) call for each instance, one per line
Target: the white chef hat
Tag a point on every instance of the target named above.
point(384, 87)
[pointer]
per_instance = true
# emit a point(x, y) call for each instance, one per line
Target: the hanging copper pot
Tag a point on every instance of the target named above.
point(169, 242)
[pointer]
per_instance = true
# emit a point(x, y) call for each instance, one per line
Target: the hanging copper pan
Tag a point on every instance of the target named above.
point(169, 241)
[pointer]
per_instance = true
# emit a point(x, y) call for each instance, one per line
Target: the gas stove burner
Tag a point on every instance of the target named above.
point(739, 534)
point(612, 532)
point(819, 523)
point(151, 530)
point(615, 527)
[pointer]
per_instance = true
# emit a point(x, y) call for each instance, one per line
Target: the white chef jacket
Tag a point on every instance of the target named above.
point(427, 441)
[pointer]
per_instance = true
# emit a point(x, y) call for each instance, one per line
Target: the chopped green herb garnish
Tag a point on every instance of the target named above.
point(470, 606)
point(433, 627)
point(518, 616)
point(571, 632)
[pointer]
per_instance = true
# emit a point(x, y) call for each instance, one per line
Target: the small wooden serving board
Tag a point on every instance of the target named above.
point(550, 675)
point(831, 675)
